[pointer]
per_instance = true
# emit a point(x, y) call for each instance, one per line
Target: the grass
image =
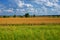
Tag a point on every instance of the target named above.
point(30, 32)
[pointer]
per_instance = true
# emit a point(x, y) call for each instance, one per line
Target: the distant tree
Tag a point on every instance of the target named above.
point(34, 15)
point(27, 15)
point(4, 16)
point(20, 16)
point(14, 16)
point(58, 15)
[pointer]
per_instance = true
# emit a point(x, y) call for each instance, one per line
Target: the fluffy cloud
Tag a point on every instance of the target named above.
point(10, 10)
point(41, 10)
point(20, 10)
point(0, 10)
point(49, 3)
point(38, 7)
point(55, 7)
point(22, 4)
point(28, 5)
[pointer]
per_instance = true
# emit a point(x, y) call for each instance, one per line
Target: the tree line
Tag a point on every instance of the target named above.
point(28, 15)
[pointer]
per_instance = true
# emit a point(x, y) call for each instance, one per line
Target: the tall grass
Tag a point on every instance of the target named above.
point(30, 32)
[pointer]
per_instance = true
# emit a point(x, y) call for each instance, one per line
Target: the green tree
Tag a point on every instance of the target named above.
point(27, 15)
point(14, 16)
point(4, 16)
point(34, 15)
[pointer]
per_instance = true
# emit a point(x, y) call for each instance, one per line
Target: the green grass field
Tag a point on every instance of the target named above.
point(30, 32)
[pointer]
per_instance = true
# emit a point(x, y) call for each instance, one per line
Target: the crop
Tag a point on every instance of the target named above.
point(30, 32)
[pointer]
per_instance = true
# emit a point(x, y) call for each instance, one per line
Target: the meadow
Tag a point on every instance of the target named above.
point(30, 32)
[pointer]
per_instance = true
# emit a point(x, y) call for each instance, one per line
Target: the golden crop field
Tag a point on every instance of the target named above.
point(35, 20)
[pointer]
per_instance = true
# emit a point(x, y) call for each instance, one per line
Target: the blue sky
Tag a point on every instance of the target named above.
point(37, 7)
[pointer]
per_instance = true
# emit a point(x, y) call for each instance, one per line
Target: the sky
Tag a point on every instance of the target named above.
point(33, 7)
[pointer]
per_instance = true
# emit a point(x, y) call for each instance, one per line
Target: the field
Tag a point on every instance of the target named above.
point(35, 20)
point(30, 32)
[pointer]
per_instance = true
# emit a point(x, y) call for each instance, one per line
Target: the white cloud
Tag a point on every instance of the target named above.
point(20, 11)
point(31, 9)
point(23, 10)
point(10, 10)
point(49, 3)
point(0, 11)
point(28, 5)
point(22, 4)
point(40, 1)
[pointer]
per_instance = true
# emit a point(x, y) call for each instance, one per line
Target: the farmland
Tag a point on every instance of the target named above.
point(30, 32)
point(50, 31)
point(35, 20)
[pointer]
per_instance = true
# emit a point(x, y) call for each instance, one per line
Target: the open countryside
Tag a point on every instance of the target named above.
point(50, 31)
point(29, 19)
